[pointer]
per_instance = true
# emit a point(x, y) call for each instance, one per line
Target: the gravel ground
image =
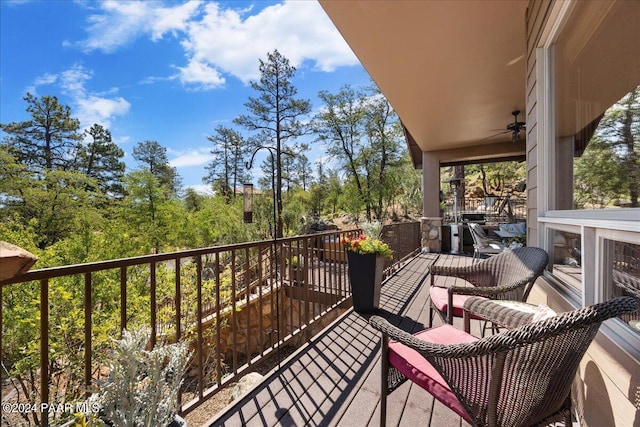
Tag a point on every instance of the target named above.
point(217, 403)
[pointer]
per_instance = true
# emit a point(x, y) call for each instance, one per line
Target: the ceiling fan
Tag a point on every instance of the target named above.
point(514, 127)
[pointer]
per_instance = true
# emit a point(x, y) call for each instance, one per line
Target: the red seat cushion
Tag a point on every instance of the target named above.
point(440, 301)
point(417, 369)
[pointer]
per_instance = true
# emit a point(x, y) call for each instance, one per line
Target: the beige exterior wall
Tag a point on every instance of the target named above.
point(607, 388)
point(537, 14)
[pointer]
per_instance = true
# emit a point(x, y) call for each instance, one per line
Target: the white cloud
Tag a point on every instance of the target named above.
point(154, 79)
point(94, 109)
point(234, 43)
point(200, 75)
point(172, 19)
point(88, 107)
point(73, 80)
point(193, 157)
point(202, 189)
point(122, 22)
point(219, 40)
point(45, 79)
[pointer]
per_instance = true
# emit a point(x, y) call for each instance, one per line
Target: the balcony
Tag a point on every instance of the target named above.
point(236, 305)
point(335, 379)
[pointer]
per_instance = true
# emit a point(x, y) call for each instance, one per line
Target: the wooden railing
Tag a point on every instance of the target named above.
point(235, 304)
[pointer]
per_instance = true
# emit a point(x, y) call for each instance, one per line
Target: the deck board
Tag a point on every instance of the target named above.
point(335, 379)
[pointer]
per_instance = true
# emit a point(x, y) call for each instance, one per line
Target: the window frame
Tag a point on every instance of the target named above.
point(593, 225)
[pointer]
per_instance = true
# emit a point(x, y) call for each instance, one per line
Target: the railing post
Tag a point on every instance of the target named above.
point(152, 304)
point(260, 302)
point(247, 294)
point(307, 302)
point(123, 299)
point(199, 346)
point(1, 341)
point(87, 331)
point(178, 301)
point(218, 326)
point(44, 349)
point(234, 321)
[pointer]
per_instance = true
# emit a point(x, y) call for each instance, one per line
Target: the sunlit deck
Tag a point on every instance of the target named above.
point(335, 380)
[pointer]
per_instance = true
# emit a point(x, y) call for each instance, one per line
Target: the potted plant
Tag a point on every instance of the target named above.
point(142, 388)
point(295, 270)
point(365, 255)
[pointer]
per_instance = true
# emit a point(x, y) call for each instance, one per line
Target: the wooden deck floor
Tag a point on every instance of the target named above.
point(335, 380)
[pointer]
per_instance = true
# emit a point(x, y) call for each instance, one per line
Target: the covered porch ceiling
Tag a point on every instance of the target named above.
point(453, 70)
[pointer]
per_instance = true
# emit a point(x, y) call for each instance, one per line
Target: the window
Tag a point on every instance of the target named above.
point(623, 262)
point(566, 258)
point(587, 132)
point(597, 99)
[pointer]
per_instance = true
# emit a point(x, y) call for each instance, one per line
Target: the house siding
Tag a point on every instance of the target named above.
point(606, 391)
point(536, 16)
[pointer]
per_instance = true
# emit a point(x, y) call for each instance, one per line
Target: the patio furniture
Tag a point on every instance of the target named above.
point(482, 245)
point(519, 377)
point(508, 276)
point(629, 285)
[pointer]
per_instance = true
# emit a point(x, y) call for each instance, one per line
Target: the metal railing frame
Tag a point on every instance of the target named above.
point(324, 272)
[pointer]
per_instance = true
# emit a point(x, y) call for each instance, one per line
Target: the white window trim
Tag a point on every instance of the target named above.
point(594, 226)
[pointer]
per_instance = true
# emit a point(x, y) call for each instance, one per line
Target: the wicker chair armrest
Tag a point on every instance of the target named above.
point(424, 347)
point(442, 270)
point(474, 274)
point(497, 313)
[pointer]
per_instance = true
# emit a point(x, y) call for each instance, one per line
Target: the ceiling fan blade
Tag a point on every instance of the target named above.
point(494, 135)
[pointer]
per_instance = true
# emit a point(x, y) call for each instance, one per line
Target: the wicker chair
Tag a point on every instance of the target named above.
point(508, 275)
point(519, 377)
point(628, 285)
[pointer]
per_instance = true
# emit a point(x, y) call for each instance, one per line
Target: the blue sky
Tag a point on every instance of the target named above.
point(169, 71)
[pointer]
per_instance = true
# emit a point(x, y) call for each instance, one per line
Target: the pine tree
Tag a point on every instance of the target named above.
point(49, 140)
point(153, 157)
point(227, 169)
point(101, 159)
point(276, 115)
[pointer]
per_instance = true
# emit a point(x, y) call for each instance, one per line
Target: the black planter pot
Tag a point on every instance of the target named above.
point(365, 274)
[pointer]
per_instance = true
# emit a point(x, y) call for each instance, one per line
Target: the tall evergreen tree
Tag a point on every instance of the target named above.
point(276, 114)
point(156, 218)
point(153, 157)
point(101, 159)
point(303, 172)
point(227, 169)
point(53, 203)
point(49, 140)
